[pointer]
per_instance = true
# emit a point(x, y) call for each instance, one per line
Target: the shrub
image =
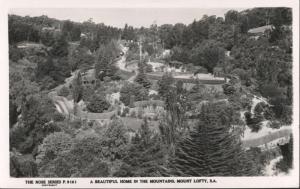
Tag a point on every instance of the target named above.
point(269, 114)
point(228, 89)
point(254, 123)
point(148, 68)
point(125, 112)
point(15, 54)
point(58, 116)
point(98, 104)
point(275, 124)
point(22, 166)
point(132, 90)
point(245, 102)
point(271, 91)
point(255, 127)
point(64, 91)
point(259, 108)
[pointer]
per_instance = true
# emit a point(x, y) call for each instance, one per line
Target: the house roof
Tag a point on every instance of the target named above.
point(261, 29)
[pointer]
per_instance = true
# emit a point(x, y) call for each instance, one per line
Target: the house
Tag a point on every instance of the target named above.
point(29, 45)
point(48, 29)
point(88, 77)
point(260, 30)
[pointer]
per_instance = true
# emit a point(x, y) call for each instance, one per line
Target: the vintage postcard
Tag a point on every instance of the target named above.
point(149, 94)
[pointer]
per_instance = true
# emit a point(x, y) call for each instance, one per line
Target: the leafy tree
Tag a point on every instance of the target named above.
point(231, 17)
point(60, 47)
point(53, 146)
point(104, 62)
point(164, 85)
point(64, 91)
point(71, 30)
point(47, 38)
point(211, 149)
point(210, 55)
point(132, 90)
point(115, 140)
point(97, 104)
point(80, 58)
point(146, 156)
point(228, 89)
point(128, 33)
point(22, 29)
point(21, 165)
point(14, 53)
point(78, 160)
point(34, 125)
point(180, 54)
point(44, 68)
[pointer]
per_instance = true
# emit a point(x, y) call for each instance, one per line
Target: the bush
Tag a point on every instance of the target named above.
point(259, 108)
point(269, 114)
point(132, 91)
point(148, 68)
point(22, 166)
point(271, 91)
point(254, 123)
point(15, 54)
point(246, 102)
point(88, 93)
point(58, 116)
point(255, 127)
point(228, 89)
point(64, 91)
point(98, 104)
point(275, 124)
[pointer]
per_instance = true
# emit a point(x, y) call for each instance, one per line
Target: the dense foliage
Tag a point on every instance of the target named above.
point(197, 127)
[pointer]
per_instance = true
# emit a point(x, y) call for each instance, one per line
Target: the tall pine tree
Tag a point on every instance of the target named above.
point(141, 77)
point(212, 149)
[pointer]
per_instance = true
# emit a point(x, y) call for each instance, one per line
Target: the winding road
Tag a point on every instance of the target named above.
point(121, 64)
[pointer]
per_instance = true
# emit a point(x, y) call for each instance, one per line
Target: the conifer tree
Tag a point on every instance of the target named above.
point(212, 149)
point(146, 156)
point(77, 88)
point(141, 77)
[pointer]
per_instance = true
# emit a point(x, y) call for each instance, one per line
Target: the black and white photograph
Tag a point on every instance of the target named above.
point(151, 92)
